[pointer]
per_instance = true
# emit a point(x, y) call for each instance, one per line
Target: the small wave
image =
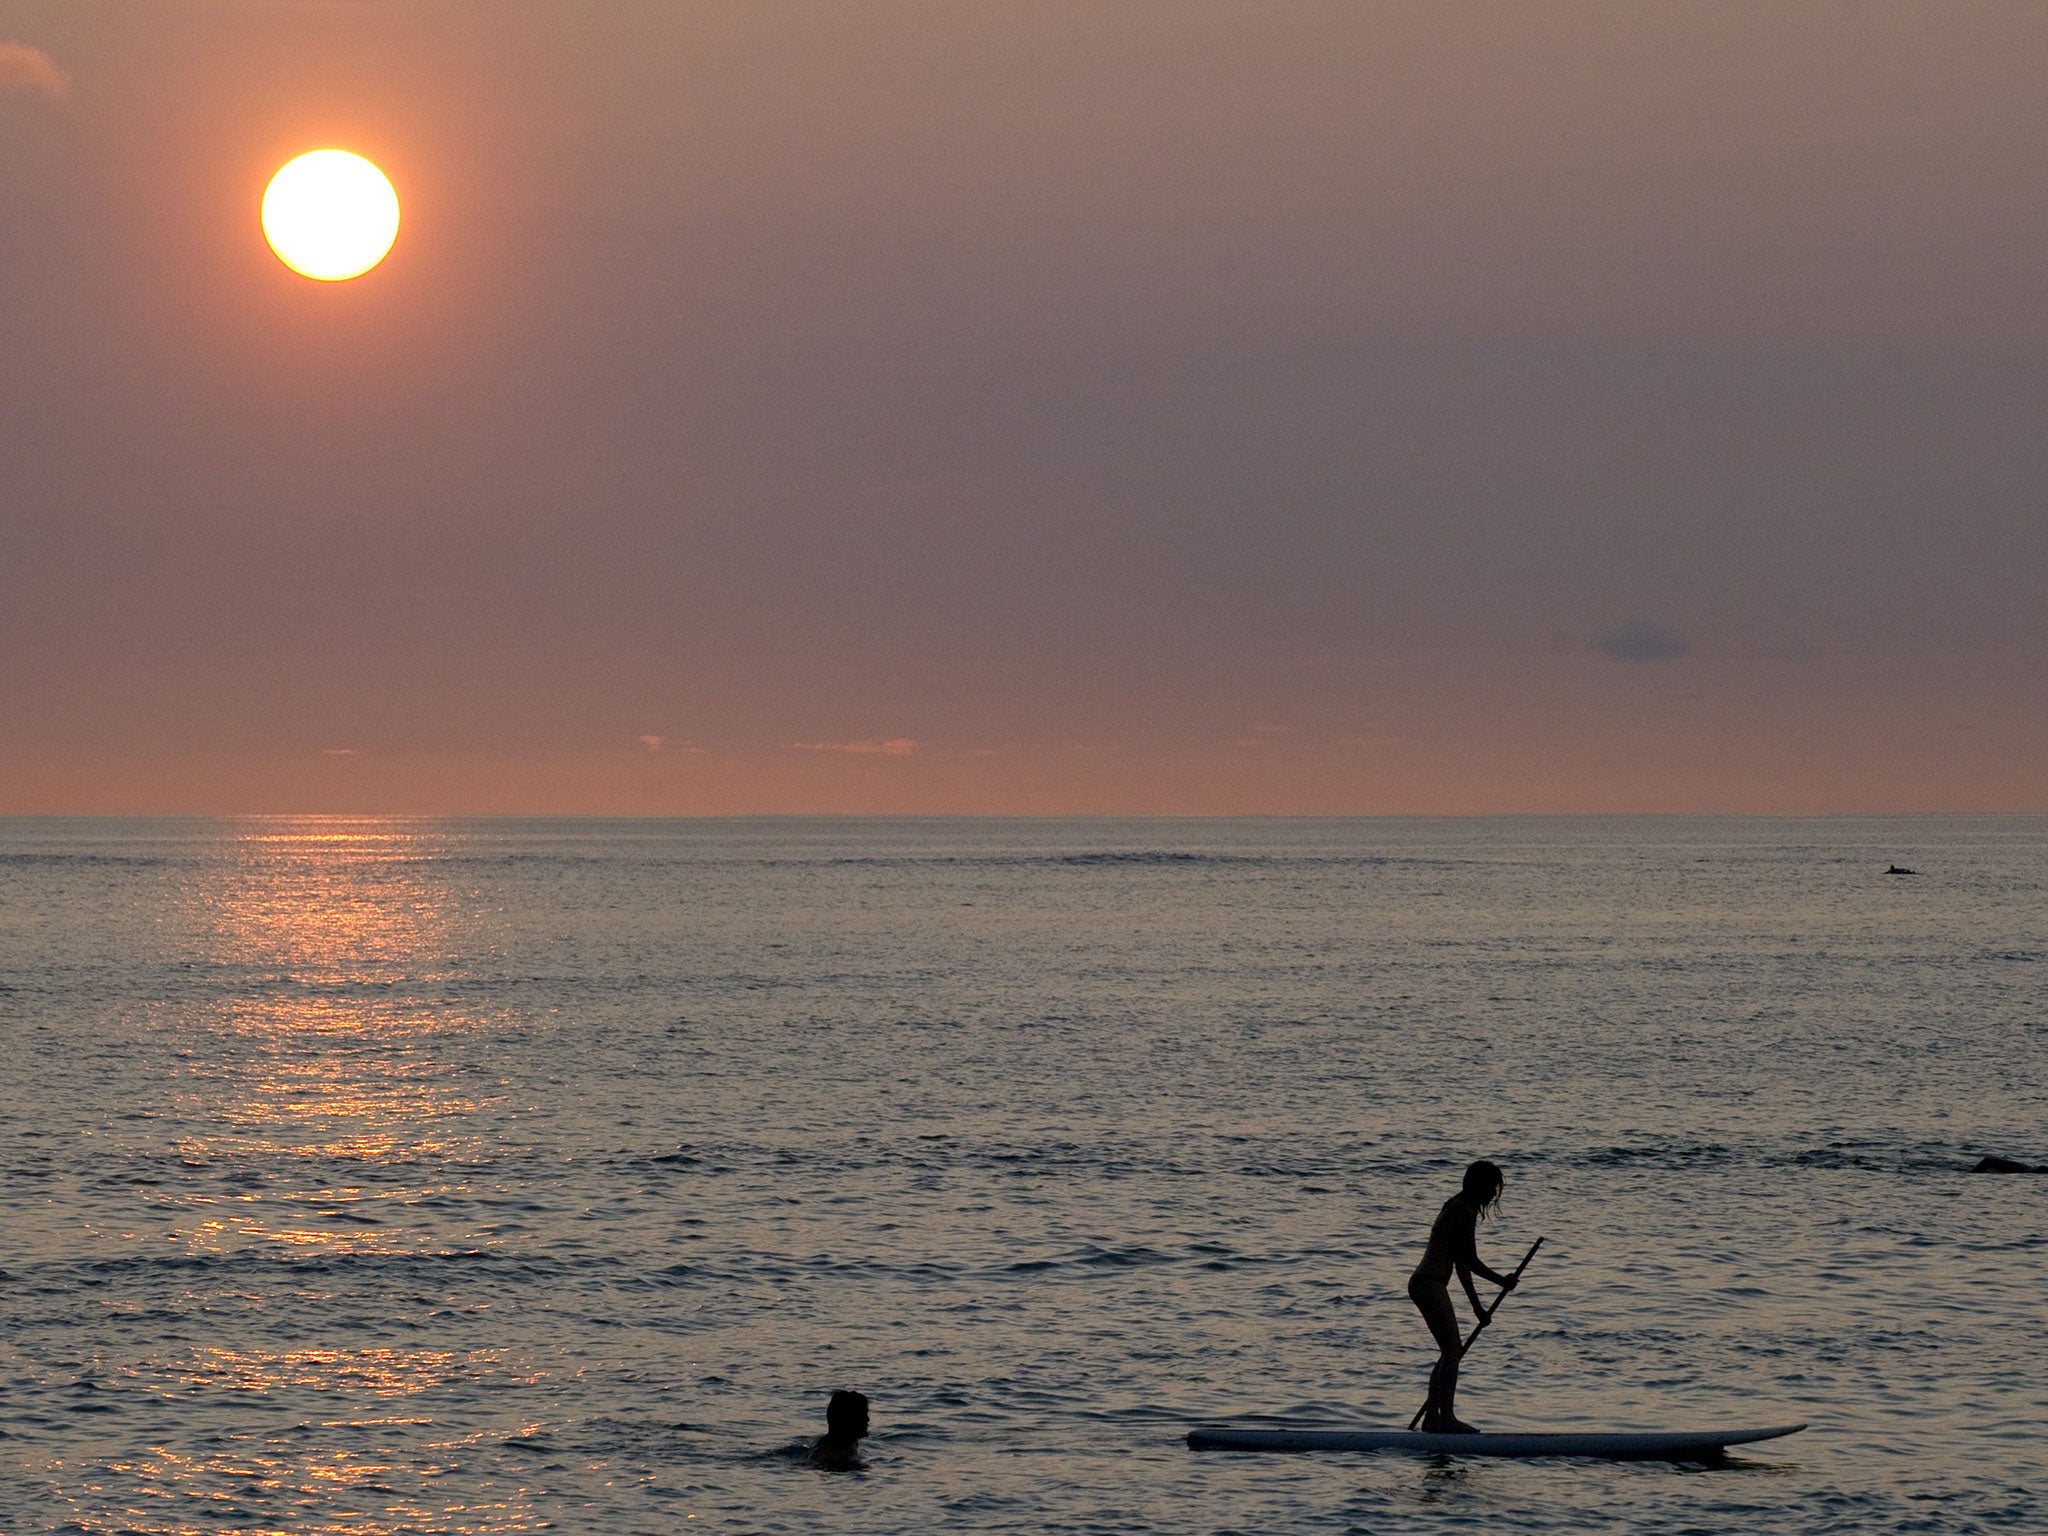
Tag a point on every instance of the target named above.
point(269, 1260)
point(1091, 1256)
point(1152, 857)
point(1679, 1154)
point(1158, 858)
point(1883, 1157)
point(1096, 1257)
point(89, 860)
point(1872, 1156)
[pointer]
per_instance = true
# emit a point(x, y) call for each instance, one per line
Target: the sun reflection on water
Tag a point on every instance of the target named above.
point(381, 1370)
point(265, 1485)
point(335, 1103)
point(330, 1046)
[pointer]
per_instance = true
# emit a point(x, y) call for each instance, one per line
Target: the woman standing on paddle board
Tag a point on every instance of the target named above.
point(1453, 1245)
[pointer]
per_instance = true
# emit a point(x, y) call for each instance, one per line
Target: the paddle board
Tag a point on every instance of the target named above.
point(1663, 1445)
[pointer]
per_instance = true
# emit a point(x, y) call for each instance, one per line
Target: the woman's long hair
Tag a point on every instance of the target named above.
point(1483, 1181)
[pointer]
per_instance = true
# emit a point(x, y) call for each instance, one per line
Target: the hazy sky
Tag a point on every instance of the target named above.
point(1177, 406)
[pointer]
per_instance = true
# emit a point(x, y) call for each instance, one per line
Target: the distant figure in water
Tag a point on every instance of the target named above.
point(1895, 870)
point(1453, 1245)
point(846, 1425)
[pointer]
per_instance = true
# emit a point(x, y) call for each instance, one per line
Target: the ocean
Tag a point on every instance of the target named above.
point(371, 1176)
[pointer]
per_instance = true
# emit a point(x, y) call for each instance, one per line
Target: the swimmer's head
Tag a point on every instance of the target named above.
point(1483, 1183)
point(847, 1415)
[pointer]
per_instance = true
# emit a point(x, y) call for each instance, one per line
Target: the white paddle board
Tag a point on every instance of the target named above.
point(1659, 1445)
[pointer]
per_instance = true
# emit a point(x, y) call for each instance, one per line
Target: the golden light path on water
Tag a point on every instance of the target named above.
point(327, 1101)
point(317, 1062)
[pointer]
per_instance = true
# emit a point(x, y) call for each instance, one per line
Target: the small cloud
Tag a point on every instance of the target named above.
point(874, 746)
point(650, 743)
point(1642, 642)
point(337, 751)
point(23, 68)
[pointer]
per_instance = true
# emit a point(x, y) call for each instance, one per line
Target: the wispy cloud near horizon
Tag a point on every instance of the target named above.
point(23, 68)
point(1642, 642)
point(876, 746)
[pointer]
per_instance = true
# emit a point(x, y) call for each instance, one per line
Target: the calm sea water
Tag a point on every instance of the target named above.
point(367, 1176)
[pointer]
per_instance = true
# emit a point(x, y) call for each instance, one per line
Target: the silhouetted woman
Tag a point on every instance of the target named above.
point(1453, 1246)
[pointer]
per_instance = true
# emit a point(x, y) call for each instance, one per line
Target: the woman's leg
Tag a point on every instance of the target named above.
point(1434, 1303)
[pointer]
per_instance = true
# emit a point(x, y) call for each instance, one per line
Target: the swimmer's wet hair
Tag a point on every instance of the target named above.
point(846, 1412)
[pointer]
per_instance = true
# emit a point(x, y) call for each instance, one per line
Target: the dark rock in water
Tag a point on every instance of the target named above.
point(2007, 1165)
point(1895, 870)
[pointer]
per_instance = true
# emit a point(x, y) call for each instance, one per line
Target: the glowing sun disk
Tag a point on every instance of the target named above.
point(330, 215)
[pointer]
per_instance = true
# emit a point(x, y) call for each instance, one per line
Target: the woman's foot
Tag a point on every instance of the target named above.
point(1451, 1425)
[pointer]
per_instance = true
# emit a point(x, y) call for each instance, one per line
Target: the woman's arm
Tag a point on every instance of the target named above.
point(1468, 1259)
point(1505, 1282)
point(1471, 1291)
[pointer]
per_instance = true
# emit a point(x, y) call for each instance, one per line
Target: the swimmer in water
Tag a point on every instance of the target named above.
point(1453, 1245)
point(846, 1425)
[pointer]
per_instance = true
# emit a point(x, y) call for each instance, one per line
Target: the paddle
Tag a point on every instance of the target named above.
point(1484, 1318)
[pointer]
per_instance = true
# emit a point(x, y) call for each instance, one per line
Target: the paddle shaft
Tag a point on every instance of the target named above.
point(1485, 1318)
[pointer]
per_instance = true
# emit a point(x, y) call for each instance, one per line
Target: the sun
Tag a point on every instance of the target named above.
point(330, 215)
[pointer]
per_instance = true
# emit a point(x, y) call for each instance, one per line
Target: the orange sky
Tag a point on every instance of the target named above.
point(1176, 407)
